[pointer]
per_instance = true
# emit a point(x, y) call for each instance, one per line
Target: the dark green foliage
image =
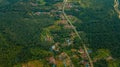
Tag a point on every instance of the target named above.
point(19, 33)
point(60, 35)
point(101, 63)
point(50, 2)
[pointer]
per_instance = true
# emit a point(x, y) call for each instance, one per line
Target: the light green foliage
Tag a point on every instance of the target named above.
point(41, 2)
point(102, 54)
point(44, 33)
point(18, 65)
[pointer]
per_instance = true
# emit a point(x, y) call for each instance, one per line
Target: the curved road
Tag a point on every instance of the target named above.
point(84, 46)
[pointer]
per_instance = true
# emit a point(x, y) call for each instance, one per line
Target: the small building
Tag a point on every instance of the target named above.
point(81, 51)
point(73, 50)
point(52, 60)
point(37, 13)
point(62, 22)
point(109, 58)
point(87, 64)
point(68, 27)
point(48, 38)
point(55, 47)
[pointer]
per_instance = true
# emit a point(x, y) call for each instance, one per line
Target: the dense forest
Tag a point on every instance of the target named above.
point(25, 25)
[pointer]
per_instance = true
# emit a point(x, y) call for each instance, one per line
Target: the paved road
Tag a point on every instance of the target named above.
point(69, 21)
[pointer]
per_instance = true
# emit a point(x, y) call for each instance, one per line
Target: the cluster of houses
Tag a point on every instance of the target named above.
point(81, 54)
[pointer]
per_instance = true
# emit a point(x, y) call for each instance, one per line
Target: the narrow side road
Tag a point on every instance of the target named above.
point(116, 7)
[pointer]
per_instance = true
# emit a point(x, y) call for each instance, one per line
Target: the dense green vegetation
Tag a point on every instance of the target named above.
point(23, 33)
point(19, 33)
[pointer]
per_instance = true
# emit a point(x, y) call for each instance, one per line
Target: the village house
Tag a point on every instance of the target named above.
point(109, 58)
point(81, 51)
point(63, 22)
point(48, 38)
point(37, 13)
point(62, 17)
point(68, 26)
point(69, 5)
